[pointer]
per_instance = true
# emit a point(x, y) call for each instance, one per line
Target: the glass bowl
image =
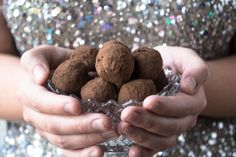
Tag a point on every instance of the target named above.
point(121, 145)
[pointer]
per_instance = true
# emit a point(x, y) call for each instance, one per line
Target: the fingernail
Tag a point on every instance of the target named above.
point(150, 102)
point(98, 125)
point(191, 83)
point(110, 135)
point(38, 72)
point(69, 109)
point(93, 153)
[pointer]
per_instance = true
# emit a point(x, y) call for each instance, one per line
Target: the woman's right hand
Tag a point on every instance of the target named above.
point(58, 117)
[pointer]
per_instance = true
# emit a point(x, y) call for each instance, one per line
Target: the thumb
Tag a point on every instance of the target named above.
point(37, 61)
point(40, 73)
point(193, 69)
point(36, 66)
point(194, 73)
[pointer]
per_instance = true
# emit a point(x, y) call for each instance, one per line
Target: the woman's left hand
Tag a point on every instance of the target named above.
point(156, 126)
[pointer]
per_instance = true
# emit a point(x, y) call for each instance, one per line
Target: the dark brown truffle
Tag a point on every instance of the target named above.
point(99, 89)
point(115, 42)
point(87, 55)
point(148, 63)
point(161, 81)
point(70, 76)
point(137, 90)
point(114, 63)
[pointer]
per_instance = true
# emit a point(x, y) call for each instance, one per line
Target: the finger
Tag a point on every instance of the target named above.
point(165, 126)
point(192, 80)
point(180, 105)
point(137, 151)
point(68, 125)
point(93, 151)
point(38, 61)
point(193, 69)
point(146, 139)
point(41, 100)
point(78, 141)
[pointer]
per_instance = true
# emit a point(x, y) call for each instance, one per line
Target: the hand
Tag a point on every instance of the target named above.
point(58, 117)
point(155, 126)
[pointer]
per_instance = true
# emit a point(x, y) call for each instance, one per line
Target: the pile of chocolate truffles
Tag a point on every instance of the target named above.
point(111, 73)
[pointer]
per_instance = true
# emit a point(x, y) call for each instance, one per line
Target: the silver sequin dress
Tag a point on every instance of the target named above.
point(203, 25)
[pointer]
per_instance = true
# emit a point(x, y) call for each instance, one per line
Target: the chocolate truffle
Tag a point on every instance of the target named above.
point(70, 76)
point(136, 90)
point(115, 42)
point(99, 89)
point(87, 55)
point(114, 63)
point(148, 63)
point(161, 81)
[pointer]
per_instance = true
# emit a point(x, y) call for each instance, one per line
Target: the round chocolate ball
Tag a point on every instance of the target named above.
point(115, 42)
point(148, 63)
point(87, 55)
point(114, 63)
point(70, 76)
point(99, 89)
point(136, 90)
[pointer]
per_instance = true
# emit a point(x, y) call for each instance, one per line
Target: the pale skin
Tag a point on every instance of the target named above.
point(163, 118)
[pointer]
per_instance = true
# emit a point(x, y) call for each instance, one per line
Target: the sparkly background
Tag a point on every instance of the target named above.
point(203, 25)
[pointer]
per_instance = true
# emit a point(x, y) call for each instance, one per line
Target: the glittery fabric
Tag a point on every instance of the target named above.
point(22, 141)
point(203, 25)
